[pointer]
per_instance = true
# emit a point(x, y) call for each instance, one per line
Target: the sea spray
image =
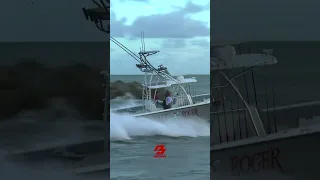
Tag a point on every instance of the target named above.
point(125, 126)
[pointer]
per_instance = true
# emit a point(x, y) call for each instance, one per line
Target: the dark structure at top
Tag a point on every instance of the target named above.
point(99, 15)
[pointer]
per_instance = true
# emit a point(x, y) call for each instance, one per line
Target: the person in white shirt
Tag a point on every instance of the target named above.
point(169, 101)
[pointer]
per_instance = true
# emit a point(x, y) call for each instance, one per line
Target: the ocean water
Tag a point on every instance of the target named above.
point(56, 126)
point(133, 141)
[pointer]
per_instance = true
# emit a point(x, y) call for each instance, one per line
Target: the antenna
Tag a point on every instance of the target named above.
point(143, 45)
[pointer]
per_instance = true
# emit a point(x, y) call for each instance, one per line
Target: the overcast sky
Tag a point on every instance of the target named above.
point(47, 20)
point(179, 29)
point(272, 20)
point(50, 20)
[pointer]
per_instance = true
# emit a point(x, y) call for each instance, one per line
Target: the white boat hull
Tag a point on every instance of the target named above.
point(290, 154)
point(253, 143)
point(201, 110)
point(78, 154)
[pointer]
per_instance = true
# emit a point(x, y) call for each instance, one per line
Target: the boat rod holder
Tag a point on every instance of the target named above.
point(99, 14)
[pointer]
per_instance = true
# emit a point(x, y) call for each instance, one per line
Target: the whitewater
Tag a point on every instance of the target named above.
point(133, 140)
point(125, 127)
point(59, 125)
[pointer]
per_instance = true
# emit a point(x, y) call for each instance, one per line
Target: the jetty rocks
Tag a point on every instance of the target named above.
point(32, 86)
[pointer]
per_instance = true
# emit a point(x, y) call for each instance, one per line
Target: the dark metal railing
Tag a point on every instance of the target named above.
point(99, 15)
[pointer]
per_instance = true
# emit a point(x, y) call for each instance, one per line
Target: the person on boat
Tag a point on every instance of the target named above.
point(169, 101)
point(156, 97)
point(167, 92)
point(157, 101)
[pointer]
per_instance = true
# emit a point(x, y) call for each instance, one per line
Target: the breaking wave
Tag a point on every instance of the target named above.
point(124, 127)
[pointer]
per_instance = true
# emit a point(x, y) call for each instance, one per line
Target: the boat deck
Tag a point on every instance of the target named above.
point(140, 109)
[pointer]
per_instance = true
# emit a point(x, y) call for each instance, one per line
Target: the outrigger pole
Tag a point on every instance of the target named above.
point(101, 14)
point(101, 18)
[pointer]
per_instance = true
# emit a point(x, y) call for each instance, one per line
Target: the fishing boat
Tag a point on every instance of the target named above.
point(253, 138)
point(158, 82)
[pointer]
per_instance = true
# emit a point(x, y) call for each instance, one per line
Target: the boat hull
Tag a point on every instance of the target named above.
point(83, 157)
point(201, 111)
point(291, 154)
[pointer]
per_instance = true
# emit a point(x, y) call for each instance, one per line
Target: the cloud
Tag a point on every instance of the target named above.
point(171, 25)
point(117, 28)
point(174, 43)
point(251, 20)
point(179, 30)
point(194, 8)
point(176, 24)
point(200, 42)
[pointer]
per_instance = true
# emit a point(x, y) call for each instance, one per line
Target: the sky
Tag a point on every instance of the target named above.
point(268, 20)
point(61, 20)
point(232, 20)
point(47, 20)
point(179, 29)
